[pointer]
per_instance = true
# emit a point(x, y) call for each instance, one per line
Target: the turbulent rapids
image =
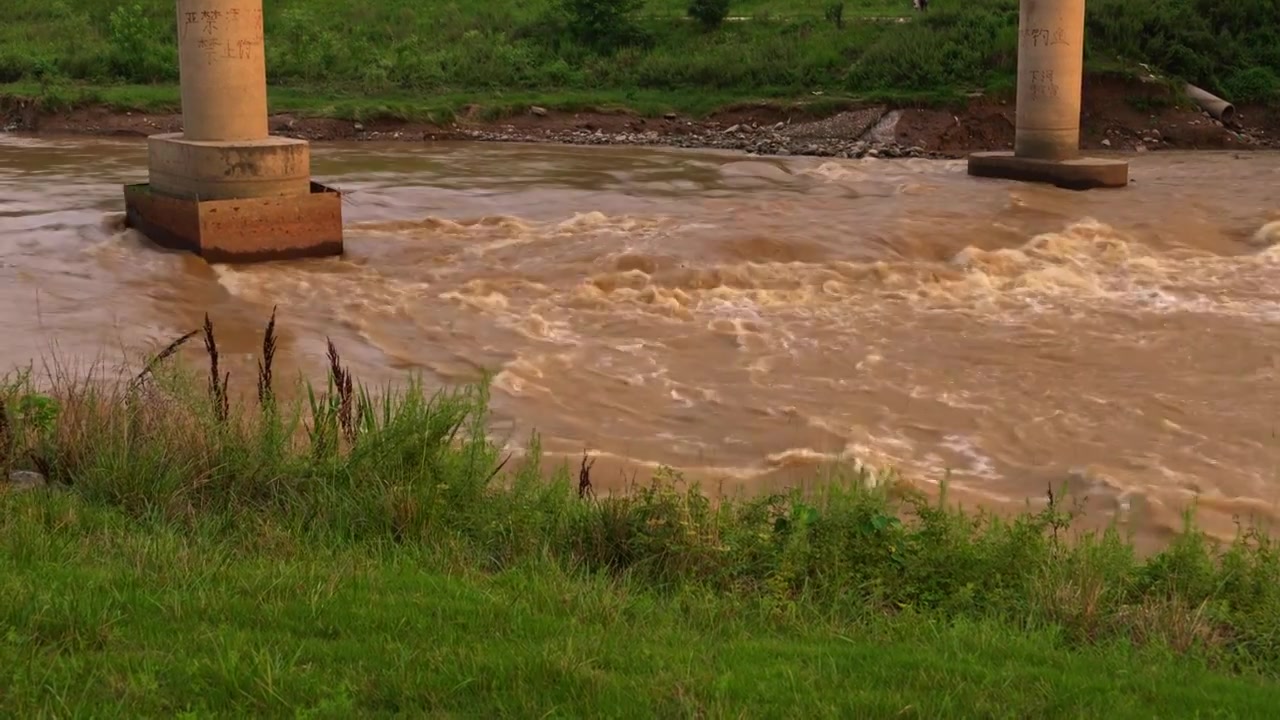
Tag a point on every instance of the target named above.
point(748, 320)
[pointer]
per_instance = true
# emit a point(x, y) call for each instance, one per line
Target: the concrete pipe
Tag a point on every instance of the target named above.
point(1214, 105)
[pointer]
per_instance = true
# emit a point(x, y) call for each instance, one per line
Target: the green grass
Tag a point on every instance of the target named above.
point(108, 617)
point(445, 107)
point(407, 59)
point(356, 552)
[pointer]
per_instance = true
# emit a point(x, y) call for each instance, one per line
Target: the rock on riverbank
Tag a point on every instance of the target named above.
point(846, 136)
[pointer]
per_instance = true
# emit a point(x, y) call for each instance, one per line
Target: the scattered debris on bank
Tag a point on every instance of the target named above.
point(846, 135)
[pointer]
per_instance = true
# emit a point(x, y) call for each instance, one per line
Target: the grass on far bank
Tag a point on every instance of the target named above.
point(363, 551)
point(444, 108)
point(413, 60)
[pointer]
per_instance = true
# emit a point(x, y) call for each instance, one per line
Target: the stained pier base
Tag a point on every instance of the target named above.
point(225, 188)
point(1076, 174)
point(240, 230)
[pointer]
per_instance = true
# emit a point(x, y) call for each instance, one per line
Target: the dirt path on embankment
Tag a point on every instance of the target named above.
point(1120, 114)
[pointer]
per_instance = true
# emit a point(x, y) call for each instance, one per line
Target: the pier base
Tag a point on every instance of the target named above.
point(1074, 174)
point(219, 170)
point(240, 230)
point(225, 188)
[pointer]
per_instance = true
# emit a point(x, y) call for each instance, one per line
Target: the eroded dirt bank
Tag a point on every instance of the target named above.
point(1122, 114)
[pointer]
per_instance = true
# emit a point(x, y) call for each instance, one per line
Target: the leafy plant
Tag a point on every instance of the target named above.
point(603, 25)
point(135, 51)
point(38, 412)
point(710, 14)
point(834, 14)
point(1253, 85)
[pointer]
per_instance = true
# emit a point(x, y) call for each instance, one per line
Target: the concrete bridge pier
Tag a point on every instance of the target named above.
point(224, 188)
point(1046, 144)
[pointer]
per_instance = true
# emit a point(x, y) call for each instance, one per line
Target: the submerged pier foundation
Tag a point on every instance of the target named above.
point(1046, 144)
point(225, 188)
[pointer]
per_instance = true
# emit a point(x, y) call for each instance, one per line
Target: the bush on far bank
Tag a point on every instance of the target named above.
point(545, 45)
point(710, 14)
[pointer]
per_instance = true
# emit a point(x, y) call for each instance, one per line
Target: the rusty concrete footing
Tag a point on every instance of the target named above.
point(240, 230)
point(1077, 174)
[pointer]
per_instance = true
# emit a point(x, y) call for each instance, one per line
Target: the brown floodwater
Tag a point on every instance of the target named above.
point(749, 320)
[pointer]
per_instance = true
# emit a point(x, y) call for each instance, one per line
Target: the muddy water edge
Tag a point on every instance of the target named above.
point(749, 320)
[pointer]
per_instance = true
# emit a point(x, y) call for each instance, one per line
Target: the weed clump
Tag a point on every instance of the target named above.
point(342, 464)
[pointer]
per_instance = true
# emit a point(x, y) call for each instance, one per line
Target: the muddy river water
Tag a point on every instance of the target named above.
point(750, 320)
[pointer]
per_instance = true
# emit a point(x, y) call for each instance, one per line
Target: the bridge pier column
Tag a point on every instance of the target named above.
point(1046, 144)
point(224, 187)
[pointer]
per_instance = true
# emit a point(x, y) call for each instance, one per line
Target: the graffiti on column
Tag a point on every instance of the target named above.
point(230, 35)
point(1043, 84)
point(1043, 37)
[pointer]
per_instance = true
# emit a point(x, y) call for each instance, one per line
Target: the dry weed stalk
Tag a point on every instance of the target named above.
point(1077, 602)
point(160, 357)
point(584, 477)
point(343, 385)
point(1174, 622)
point(498, 469)
point(265, 394)
point(6, 434)
point(217, 382)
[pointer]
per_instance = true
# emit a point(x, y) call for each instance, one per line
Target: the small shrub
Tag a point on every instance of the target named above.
point(1256, 85)
point(710, 14)
point(835, 14)
point(603, 25)
point(135, 55)
point(38, 411)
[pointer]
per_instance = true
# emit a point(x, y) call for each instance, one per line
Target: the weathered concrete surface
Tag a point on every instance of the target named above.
point(1046, 145)
point(223, 69)
point(224, 188)
point(240, 230)
point(1050, 78)
point(218, 170)
point(1076, 174)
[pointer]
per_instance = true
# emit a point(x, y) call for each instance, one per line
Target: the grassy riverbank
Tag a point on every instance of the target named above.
point(112, 616)
point(372, 552)
point(390, 54)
